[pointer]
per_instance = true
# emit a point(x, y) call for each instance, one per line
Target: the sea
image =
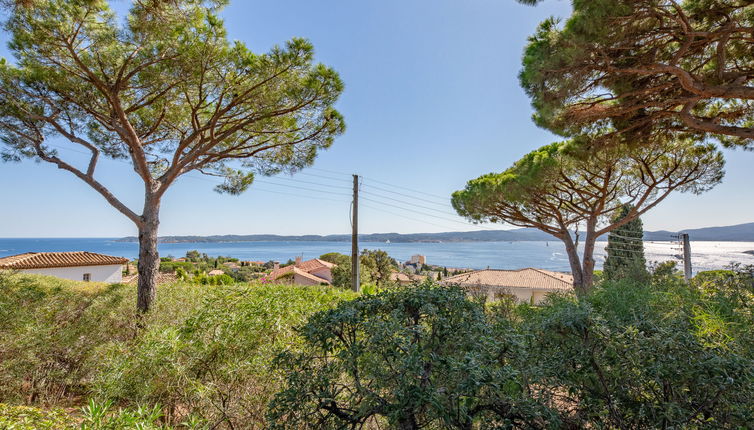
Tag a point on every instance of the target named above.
point(473, 255)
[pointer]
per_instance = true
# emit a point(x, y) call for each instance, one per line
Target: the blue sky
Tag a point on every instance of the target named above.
point(432, 100)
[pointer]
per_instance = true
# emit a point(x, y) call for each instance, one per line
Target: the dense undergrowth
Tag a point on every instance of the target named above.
point(663, 354)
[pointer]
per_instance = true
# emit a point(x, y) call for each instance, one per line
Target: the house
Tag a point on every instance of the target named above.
point(526, 285)
point(215, 272)
point(76, 266)
point(311, 272)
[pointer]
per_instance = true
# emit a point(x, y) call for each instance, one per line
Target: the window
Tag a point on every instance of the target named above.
point(87, 277)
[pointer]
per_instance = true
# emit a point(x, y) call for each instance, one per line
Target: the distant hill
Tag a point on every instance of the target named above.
point(733, 233)
point(522, 234)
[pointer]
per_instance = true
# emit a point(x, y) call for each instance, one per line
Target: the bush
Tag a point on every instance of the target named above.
point(424, 354)
point(634, 356)
point(28, 418)
point(49, 329)
point(217, 364)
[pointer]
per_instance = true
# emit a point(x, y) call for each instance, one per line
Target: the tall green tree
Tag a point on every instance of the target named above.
point(164, 90)
point(571, 191)
point(646, 67)
point(625, 248)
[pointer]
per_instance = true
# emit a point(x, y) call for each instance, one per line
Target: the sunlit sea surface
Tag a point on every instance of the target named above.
point(475, 255)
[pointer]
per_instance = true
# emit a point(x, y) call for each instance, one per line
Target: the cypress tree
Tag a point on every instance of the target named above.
point(625, 249)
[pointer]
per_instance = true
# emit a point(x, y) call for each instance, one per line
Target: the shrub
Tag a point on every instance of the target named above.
point(424, 354)
point(634, 356)
point(28, 418)
point(217, 364)
point(49, 329)
point(52, 332)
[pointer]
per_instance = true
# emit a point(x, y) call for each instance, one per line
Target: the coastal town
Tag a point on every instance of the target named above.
point(526, 285)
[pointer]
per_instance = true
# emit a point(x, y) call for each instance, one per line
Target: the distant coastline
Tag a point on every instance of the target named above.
point(734, 233)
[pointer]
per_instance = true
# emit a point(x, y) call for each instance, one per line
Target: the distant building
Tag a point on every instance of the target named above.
point(526, 285)
point(215, 272)
point(417, 260)
point(311, 272)
point(76, 266)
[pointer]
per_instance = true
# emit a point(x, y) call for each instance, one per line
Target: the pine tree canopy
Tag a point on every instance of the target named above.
point(646, 67)
point(163, 88)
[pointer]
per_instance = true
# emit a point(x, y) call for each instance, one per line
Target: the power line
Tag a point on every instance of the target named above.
point(406, 188)
point(407, 217)
point(445, 203)
point(409, 203)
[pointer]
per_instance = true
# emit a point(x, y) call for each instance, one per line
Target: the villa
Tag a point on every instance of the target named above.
point(525, 285)
point(311, 272)
point(76, 266)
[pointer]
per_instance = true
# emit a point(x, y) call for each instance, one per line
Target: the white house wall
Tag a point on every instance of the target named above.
point(112, 274)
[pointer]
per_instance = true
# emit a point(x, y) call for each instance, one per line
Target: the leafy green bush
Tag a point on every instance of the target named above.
point(52, 332)
point(217, 364)
point(635, 356)
point(28, 418)
point(410, 358)
point(49, 329)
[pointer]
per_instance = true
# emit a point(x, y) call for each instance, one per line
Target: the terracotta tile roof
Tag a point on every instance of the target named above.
point(523, 278)
point(275, 274)
point(45, 260)
point(303, 269)
point(306, 266)
point(310, 265)
point(308, 275)
point(215, 272)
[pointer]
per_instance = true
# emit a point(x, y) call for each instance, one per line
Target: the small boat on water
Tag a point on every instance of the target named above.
point(388, 241)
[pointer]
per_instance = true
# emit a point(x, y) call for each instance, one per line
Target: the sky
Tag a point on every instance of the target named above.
point(432, 100)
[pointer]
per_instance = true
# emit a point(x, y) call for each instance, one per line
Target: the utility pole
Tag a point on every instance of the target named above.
point(686, 255)
point(355, 281)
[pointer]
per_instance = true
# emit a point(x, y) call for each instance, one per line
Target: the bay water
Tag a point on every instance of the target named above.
point(474, 255)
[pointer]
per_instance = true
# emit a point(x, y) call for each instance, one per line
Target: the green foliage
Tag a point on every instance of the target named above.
point(625, 249)
point(216, 365)
point(375, 266)
point(28, 418)
point(662, 353)
point(635, 356)
point(652, 55)
point(49, 329)
point(577, 185)
point(173, 266)
point(403, 357)
point(336, 258)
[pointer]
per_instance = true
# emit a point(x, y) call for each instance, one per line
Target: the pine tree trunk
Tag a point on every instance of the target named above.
point(576, 269)
point(149, 258)
point(588, 263)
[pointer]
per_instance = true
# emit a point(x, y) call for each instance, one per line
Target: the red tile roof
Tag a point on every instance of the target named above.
point(523, 278)
point(303, 269)
point(45, 260)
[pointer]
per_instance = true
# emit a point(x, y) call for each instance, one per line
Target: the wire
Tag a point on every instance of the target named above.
point(407, 217)
point(409, 203)
point(313, 183)
point(423, 193)
point(445, 203)
point(324, 177)
point(417, 212)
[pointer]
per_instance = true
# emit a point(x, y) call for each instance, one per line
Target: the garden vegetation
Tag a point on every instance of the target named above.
point(661, 353)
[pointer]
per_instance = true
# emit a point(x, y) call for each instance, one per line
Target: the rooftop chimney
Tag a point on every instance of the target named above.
point(298, 260)
point(276, 266)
